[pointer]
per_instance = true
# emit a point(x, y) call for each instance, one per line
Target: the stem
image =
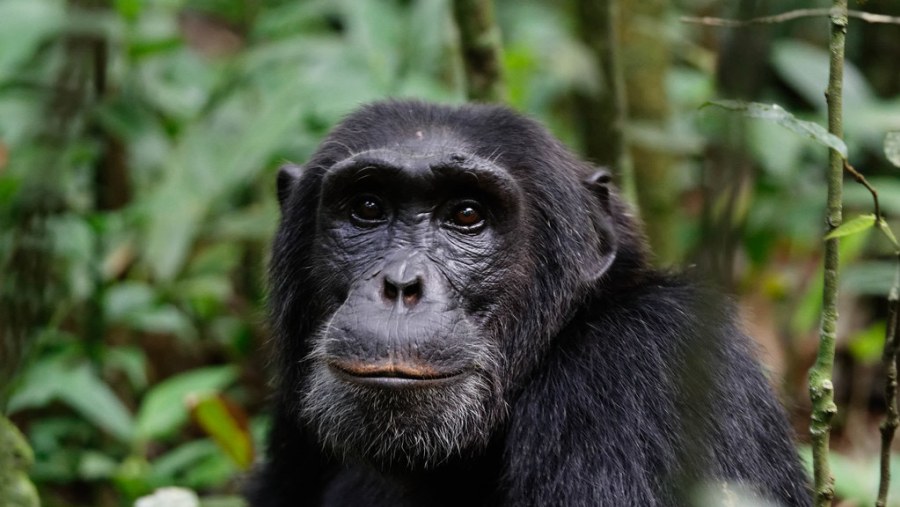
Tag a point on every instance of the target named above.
point(821, 389)
point(481, 49)
point(864, 182)
point(868, 17)
point(892, 419)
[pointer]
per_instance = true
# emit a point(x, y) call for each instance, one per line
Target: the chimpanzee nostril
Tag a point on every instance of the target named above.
point(409, 291)
point(412, 293)
point(390, 291)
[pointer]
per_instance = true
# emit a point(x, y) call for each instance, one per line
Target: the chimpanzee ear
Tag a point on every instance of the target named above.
point(288, 175)
point(604, 244)
point(599, 183)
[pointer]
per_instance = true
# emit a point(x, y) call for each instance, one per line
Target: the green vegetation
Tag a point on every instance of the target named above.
point(138, 148)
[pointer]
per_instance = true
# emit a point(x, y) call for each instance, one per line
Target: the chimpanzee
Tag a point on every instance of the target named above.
point(464, 314)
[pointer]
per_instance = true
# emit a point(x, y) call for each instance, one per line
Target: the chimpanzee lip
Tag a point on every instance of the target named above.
point(392, 374)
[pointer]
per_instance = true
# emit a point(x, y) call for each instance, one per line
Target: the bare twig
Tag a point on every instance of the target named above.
point(821, 388)
point(892, 419)
point(868, 17)
point(864, 182)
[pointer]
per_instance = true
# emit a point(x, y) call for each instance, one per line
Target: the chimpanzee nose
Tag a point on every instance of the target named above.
point(403, 283)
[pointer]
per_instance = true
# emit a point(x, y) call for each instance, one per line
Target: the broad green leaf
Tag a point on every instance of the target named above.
point(165, 409)
point(892, 147)
point(227, 425)
point(90, 396)
point(777, 114)
point(805, 68)
point(778, 154)
point(211, 161)
point(75, 384)
point(858, 224)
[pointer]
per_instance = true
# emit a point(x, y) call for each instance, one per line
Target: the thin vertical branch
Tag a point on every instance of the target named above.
point(892, 419)
point(821, 388)
point(481, 49)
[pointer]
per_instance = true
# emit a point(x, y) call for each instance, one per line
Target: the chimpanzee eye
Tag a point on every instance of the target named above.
point(467, 216)
point(367, 210)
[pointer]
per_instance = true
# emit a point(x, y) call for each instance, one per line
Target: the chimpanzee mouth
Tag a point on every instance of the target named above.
point(393, 374)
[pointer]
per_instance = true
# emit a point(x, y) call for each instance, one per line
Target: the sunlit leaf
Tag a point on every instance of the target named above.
point(227, 424)
point(164, 408)
point(892, 147)
point(777, 114)
point(853, 226)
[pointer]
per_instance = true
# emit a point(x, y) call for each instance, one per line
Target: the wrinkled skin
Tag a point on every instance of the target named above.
point(464, 315)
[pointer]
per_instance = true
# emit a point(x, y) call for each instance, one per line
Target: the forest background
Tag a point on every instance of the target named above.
point(138, 147)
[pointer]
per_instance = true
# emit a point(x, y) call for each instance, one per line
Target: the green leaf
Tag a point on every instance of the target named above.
point(777, 114)
point(94, 466)
point(24, 24)
point(166, 468)
point(76, 385)
point(868, 344)
point(164, 409)
point(90, 396)
point(131, 361)
point(196, 176)
point(892, 147)
point(858, 224)
point(886, 230)
point(805, 68)
point(227, 424)
point(165, 319)
point(123, 300)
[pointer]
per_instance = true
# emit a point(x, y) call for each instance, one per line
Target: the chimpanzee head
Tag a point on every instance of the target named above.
point(427, 257)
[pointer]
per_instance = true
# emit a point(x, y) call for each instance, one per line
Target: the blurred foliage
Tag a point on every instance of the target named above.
point(138, 146)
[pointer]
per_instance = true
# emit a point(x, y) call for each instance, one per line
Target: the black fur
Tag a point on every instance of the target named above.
point(594, 380)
